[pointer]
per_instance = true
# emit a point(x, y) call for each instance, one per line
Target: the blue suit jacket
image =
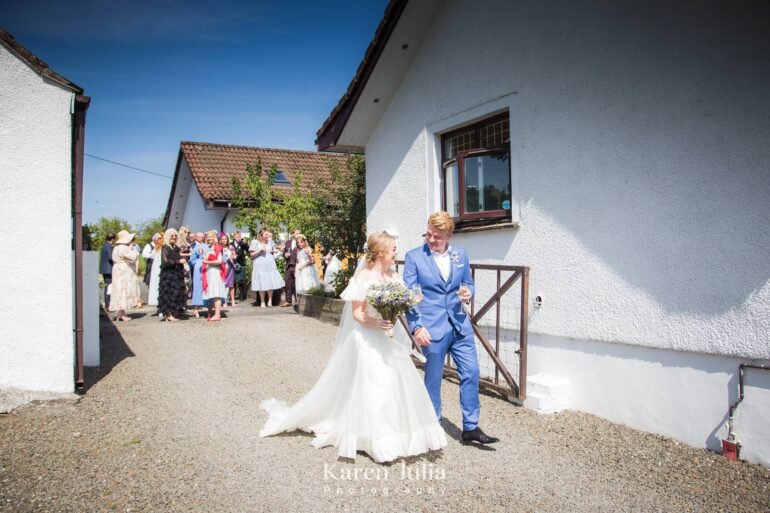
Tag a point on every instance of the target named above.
point(105, 259)
point(438, 312)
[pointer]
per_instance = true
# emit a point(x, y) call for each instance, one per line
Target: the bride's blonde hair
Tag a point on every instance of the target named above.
point(377, 245)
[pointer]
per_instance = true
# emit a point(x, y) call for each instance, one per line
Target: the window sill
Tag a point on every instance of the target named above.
point(499, 226)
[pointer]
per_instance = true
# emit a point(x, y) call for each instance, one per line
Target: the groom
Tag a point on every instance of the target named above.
point(440, 325)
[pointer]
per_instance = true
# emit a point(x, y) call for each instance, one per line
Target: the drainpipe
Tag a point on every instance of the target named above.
point(222, 223)
point(731, 447)
point(78, 147)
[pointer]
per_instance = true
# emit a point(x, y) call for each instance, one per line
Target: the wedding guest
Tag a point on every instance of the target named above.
point(125, 289)
point(333, 266)
point(105, 266)
point(147, 254)
point(213, 277)
point(306, 273)
point(265, 277)
point(229, 269)
point(152, 288)
point(183, 244)
point(136, 247)
point(198, 250)
point(171, 294)
point(231, 266)
point(290, 263)
point(241, 250)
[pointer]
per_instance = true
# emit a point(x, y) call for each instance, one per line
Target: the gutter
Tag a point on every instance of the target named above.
point(78, 147)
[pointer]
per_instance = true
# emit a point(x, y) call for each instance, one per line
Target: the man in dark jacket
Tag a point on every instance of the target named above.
point(290, 254)
point(105, 267)
point(241, 250)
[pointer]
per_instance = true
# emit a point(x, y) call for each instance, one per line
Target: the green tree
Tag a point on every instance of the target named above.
point(339, 220)
point(87, 237)
point(148, 228)
point(98, 231)
point(334, 213)
point(261, 203)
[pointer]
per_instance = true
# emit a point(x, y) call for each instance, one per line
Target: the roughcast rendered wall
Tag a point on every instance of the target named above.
point(639, 160)
point(640, 184)
point(37, 343)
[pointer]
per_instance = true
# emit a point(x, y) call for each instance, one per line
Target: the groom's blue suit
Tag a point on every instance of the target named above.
point(450, 331)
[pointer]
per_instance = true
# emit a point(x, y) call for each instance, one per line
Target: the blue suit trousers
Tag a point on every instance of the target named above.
point(463, 352)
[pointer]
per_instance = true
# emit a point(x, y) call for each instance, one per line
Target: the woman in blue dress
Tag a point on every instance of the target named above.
point(199, 250)
point(265, 277)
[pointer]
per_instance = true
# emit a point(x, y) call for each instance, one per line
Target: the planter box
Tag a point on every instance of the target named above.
point(322, 308)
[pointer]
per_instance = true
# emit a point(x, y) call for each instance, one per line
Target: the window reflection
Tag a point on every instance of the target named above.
point(487, 184)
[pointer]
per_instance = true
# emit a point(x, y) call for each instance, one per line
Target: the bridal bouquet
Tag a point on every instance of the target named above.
point(390, 299)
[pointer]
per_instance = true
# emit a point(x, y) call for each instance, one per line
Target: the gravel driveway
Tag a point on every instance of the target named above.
point(170, 422)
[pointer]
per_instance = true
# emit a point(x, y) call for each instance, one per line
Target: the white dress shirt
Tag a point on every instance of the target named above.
point(443, 261)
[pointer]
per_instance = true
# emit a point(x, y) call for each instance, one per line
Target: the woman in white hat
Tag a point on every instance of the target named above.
point(125, 289)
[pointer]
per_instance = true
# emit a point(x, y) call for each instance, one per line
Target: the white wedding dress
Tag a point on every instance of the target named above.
point(369, 397)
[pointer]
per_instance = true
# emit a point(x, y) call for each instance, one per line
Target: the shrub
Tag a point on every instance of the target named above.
point(341, 279)
point(321, 291)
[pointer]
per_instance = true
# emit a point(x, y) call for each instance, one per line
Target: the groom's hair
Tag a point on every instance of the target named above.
point(442, 220)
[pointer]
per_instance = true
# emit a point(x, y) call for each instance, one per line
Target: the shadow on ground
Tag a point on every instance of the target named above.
point(112, 350)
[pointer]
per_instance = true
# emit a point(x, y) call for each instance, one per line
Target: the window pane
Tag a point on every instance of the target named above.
point(459, 142)
point(452, 190)
point(495, 134)
point(487, 183)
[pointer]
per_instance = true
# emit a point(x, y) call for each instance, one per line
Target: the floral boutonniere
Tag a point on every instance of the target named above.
point(455, 257)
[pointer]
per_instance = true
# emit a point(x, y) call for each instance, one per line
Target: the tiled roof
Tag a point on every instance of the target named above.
point(213, 166)
point(35, 62)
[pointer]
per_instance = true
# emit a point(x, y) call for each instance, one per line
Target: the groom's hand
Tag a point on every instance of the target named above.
point(465, 295)
point(422, 337)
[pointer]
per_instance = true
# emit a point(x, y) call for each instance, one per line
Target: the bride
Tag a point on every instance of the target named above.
point(369, 397)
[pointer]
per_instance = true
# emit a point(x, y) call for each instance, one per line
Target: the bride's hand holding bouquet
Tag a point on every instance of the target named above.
point(390, 299)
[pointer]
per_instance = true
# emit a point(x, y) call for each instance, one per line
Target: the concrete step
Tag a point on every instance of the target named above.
point(547, 393)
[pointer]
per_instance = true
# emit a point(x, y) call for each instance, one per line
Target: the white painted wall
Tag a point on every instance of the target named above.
point(182, 189)
point(36, 167)
point(640, 171)
point(683, 395)
point(189, 208)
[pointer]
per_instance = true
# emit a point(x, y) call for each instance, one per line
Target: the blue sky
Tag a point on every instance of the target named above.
point(254, 73)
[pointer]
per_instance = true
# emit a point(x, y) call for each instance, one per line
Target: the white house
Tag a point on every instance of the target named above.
point(42, 123)
point(202, 191)
point(620, 149)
